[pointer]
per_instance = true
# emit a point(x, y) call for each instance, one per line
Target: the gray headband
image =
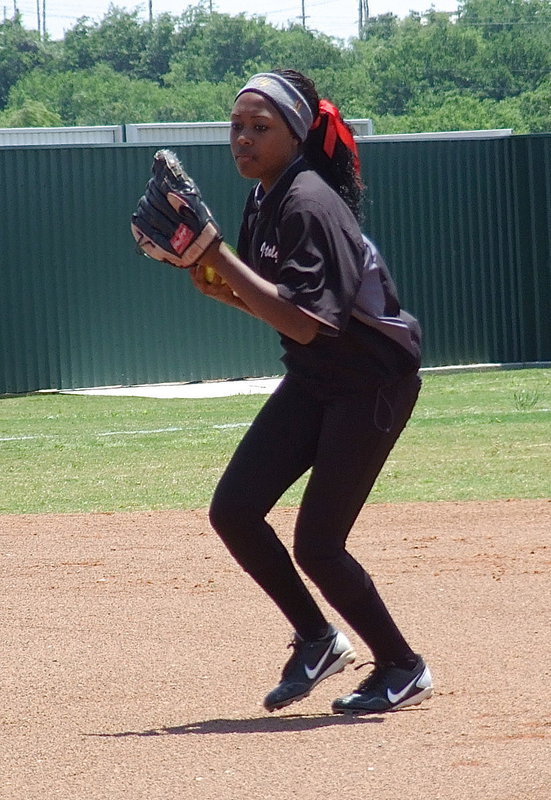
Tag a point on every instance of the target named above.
point(286, 98)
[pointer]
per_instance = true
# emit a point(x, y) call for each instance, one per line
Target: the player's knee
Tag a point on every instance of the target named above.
point(225, 515)
point(317, 564)
point(246, 535)
point(232, 516)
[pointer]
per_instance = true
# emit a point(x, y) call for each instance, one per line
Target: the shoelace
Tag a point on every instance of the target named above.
point(374, 676)
point(293, 645)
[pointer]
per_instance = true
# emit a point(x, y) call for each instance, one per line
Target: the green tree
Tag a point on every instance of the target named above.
point(298, 48)
point(20, 51)
point(80, 48)
point(203, 101)
point(222, 46)
point(32, 114)
point(163, 43)
point(349, 88)
point(516, 35)
point(384, 26)
point(424, 54)
point(488, 68)
point(533, 109)
point(120, 40)
point(451, 111)
point(99, 96)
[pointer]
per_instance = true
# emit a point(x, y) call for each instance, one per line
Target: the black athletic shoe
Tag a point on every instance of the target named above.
point(388, 688)
point(310, 664)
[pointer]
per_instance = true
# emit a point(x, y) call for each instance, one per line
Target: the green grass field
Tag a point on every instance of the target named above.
point(473, 436)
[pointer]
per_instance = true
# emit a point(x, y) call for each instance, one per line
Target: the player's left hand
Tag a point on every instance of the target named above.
point(211, 284)
point(172, 223)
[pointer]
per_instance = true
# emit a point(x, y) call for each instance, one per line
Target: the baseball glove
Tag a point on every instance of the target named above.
point(172, 223)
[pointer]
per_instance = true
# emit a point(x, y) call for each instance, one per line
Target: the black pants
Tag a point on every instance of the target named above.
point(346, 439)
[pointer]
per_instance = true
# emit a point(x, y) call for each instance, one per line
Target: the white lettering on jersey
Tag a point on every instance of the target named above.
point(268, 251)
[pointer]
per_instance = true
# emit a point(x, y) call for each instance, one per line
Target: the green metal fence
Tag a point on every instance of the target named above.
point(464, 224)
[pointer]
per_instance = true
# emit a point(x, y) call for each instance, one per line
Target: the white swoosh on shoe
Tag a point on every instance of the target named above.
point(312, 674)
point(395, 698)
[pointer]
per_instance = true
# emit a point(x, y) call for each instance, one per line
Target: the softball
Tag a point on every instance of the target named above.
point(211, 276)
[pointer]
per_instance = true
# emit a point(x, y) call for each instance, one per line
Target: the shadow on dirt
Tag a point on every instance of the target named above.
point(282, 724)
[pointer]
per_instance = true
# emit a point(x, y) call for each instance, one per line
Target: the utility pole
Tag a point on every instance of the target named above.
point(150, 11)
point(303, 14)
point(44, 19)
point(363, 16)
point(37, 16)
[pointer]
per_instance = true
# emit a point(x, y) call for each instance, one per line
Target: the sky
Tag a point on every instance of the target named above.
point(338, 18)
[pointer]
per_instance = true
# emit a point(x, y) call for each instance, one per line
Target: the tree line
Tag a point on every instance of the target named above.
point(487, 66)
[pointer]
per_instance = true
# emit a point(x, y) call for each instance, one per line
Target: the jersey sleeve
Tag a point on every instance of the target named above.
point(320, 263)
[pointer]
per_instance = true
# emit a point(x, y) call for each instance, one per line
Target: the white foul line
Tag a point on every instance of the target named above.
point(124, 433)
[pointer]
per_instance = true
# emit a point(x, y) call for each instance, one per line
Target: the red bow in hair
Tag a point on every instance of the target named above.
point(336, 129)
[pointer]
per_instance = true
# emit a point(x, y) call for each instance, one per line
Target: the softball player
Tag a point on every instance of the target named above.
point(351, 358)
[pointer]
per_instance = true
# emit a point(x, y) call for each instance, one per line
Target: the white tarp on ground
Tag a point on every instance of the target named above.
point(191, 390)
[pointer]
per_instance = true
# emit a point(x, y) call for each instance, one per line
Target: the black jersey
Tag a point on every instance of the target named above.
point(303, 238)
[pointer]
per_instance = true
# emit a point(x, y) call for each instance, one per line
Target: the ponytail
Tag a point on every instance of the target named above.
point(329, 147)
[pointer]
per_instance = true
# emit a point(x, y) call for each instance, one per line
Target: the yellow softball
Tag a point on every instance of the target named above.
point(211, 276)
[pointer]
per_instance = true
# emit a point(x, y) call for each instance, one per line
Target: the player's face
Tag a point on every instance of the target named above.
point(261, 143)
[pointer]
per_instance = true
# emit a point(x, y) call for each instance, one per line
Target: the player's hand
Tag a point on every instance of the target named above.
point(206, 280)
point(210, 284)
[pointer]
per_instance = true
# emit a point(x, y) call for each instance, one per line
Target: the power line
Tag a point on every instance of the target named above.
point(91, 9)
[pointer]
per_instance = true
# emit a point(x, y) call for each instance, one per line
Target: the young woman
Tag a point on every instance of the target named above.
point(351, 358)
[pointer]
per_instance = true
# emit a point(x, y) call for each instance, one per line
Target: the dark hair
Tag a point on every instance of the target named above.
point(339, 171)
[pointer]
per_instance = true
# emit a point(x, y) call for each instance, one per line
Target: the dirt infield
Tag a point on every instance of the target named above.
point(136, 656)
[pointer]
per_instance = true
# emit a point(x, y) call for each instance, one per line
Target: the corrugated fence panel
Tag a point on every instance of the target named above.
point(85, 134)
point(532, 198)
point(443, 213)
point(465, 226)
point(79, 307)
